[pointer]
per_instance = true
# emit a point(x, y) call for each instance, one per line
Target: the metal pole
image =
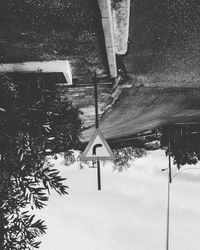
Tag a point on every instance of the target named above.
point(97, 125)
point(168, 198)
point(98, 175)
point(170, 169)
point(168, 208)
point(96, 101)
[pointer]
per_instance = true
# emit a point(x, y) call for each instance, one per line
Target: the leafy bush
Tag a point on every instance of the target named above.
point(184, 146)
point(34, 124)
point(125, 156)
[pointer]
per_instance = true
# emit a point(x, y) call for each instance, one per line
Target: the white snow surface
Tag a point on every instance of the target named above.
point(129, 213)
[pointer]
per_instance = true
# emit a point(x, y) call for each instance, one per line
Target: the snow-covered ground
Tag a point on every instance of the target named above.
point(130, 211)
